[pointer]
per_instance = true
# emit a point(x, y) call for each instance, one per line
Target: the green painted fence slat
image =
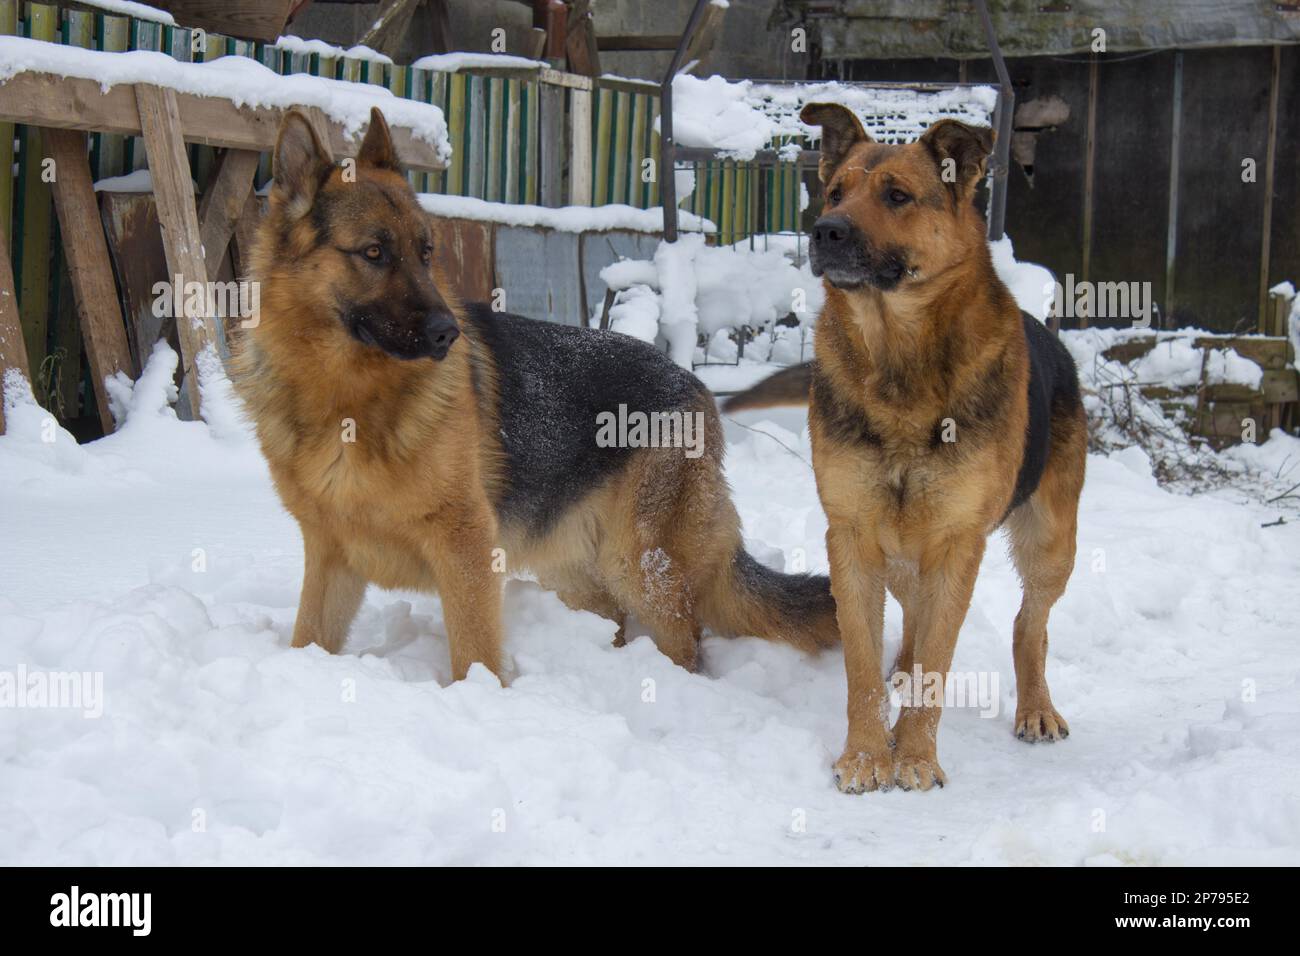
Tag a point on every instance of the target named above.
point(8, 27)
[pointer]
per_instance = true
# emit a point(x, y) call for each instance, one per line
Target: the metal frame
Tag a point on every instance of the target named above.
point(669, 152)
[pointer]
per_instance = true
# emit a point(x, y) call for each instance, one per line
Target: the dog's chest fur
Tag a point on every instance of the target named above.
point(344, 461)
point(913, 453)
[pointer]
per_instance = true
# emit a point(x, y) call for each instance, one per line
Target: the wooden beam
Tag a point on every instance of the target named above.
point(439, 26)
point(174, 193)
point(89, 267)
point(580, 44)
point(44, 99)
point(13, 350)
point(390, 26)
point(550, 15)
point(251, 19)
point(705, 36)
point(246, 234)
point(224, 202)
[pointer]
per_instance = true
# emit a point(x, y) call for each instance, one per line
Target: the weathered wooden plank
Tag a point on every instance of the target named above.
point(13, 350)
point(89, 267)
point(66, 334)
point(495, 89)
point(63, 391)
point(1281, 385)
point(603, 145)
point(389, 26)
point(652, 199)
point(135, 244)
point(580, 42)
point(223, 202)
point(622, 146)
point(43, 99)
point(114, 37)
point(467, 244)
point(1266, 352)
point(174, 193)
point(253, 19)
point(37, 216)
point(551, 146)
point(246, 233)
point(580, 148)
point(532, 141)
point(636, 188)
point(512, 145)
point(476, 168)
point(456, 120)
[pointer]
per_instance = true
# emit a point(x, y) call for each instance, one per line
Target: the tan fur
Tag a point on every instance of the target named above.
point(411, 502)
point(788, 387)
point(907, 516)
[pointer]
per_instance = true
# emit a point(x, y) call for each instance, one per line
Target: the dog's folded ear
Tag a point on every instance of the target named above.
point(841, 131)
point(377, 147)
point(300, 164)
point(961, 152)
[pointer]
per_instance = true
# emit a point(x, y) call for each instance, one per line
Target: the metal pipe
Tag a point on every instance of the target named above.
point(1005, 111)
point(667, 158)
point(1175, 155)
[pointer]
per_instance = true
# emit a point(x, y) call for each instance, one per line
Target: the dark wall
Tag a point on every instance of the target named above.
point(1220, 218)
point(1284, 253)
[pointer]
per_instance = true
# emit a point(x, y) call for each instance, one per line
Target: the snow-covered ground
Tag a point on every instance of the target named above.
point(160, 559)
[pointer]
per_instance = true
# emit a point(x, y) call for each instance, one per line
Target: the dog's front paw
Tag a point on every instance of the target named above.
point(859, 772)
point(918, 772)
point(1040, 723)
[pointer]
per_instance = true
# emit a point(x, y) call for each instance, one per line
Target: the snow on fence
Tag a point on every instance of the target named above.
point(518, 132)
point(743, 152)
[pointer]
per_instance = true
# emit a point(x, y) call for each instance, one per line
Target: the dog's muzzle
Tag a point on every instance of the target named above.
point(426, 335)
point(839, 251)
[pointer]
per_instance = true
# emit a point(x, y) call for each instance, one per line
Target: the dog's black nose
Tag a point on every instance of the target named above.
point(831, 231)
point(441, 329)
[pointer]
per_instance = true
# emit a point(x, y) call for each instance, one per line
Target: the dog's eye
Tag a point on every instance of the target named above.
point(897, 197)
point(835, 196)
point(373, 253)
point(426, 253)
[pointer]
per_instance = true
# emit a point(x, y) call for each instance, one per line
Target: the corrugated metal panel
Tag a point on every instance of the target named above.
point(538, 269)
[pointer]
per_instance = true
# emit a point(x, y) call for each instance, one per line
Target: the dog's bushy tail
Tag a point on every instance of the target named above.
point(789, 386)
point(750, 599)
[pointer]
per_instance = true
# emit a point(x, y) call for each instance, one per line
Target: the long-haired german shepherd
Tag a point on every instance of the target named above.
point(413, 436)
point(939, 411)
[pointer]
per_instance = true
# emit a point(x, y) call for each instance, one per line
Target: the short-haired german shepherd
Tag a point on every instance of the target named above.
point(412, 437)
point(938, 411)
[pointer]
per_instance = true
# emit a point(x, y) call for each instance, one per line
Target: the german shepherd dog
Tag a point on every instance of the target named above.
point(428, 445)
point(938, 412)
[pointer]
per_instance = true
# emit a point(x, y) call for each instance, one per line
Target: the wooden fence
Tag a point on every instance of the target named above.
point(519, 135)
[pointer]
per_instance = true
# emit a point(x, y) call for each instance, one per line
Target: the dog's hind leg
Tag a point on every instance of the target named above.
point(331, 595)
point(582, 592)
point(1042, 546)
point(657, 591)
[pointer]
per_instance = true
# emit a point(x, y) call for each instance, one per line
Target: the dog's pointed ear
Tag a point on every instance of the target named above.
point(300, 164)
point(841, 131)
point(961, 151)
point(377, 148)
